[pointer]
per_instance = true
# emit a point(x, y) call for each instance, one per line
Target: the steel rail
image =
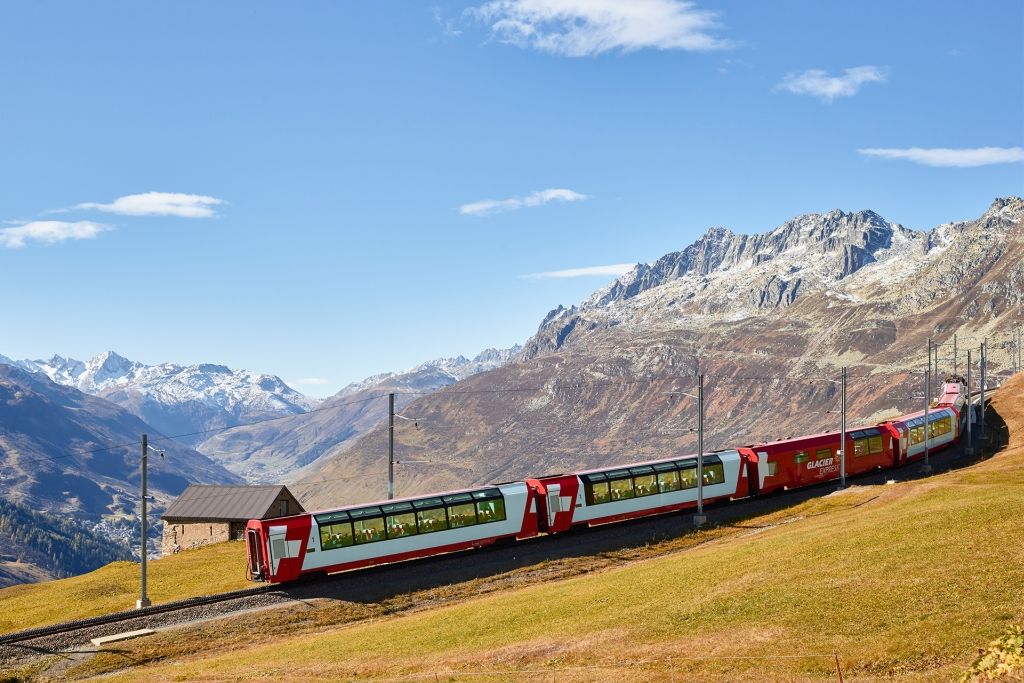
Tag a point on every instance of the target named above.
point(127, 615)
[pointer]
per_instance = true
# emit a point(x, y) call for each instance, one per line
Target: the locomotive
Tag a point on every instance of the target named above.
point(286, 548)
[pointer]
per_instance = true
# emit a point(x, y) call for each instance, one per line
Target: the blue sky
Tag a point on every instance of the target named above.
point(332, 189)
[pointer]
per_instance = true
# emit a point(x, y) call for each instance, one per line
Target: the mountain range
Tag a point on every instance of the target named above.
point(769, 319)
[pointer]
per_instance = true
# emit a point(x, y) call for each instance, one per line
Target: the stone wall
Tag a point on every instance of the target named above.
point(186, 535)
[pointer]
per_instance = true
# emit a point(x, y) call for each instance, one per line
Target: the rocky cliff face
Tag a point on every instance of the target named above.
point(764, 317)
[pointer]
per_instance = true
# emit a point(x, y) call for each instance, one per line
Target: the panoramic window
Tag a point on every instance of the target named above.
point(714, 473)
point(431, 520)
point(689, 477)
point(822, 453)
point(336, 535)
point(875, 444)
point(668, 481)
point(646, 484)
point(621, 488)
point(597, 492)
point(489, 509)
point(369, 529)
point(463, 514)
point(860, 447)
point(403, 524)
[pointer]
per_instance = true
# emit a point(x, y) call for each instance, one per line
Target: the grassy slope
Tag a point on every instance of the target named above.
point(909, 582)
point(116, 587)
point(906, 579)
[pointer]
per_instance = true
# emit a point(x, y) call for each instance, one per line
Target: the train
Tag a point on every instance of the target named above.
point(345, 538)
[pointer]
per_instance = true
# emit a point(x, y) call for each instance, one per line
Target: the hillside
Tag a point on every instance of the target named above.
point(904, 581)
point(275, 451)
point(764, 317)
point(54, 546)
point(63, 451)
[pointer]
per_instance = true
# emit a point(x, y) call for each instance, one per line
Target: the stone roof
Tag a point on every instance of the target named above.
point(224, 503)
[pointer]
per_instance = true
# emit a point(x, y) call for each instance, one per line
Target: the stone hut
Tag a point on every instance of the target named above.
point(210, 514)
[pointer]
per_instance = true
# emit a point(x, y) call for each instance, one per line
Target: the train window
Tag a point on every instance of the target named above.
point(490, 510)
point(597, 493)
point(433, 519)
point(773, 467)
point(875, 444)
point(337, 535)
point(400, 520)
point(368, 529)
point(801, 456)
point(427, 503)
point(645, 483)
point(822, 453)
point(621, 488)
point(714, 473)
point(689, 476)
point(860, 448)
point(462, 514)
point(668, 481)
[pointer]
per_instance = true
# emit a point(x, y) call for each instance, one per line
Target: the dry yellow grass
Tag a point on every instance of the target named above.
point(907, 585)
point(115, 587)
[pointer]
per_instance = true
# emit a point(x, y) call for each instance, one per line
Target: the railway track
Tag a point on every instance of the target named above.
point(144, 614)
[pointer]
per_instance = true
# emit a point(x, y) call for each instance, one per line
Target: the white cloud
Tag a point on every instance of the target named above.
point(615, 270)
point(940, 156)
point(580, 28)
point(159, 204)
point(486, 207)
point(817, 83)
point(49, 232)
point(309, 381)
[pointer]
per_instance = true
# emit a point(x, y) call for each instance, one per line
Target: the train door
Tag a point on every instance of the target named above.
point(256, 561)
point(554, 505)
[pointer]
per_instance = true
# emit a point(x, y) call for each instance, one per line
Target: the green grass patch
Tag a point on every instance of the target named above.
point(115, 587)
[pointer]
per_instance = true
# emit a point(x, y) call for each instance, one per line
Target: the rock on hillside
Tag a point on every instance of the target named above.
point(764, 317)
point(273, 451)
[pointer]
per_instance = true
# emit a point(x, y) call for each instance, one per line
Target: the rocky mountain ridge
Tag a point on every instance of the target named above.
point(843, 256)
point(764, 317)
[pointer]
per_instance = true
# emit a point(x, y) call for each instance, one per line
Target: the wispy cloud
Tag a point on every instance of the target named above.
point(158, 204)
point(940, 156)
point(448, 26)
point(614, 270)
point(309, 381)
point(486, 207)
point(818, 83)
point(49, 232)
point(581, 28)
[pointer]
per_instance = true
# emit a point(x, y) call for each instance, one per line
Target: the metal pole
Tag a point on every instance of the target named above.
point(842, 437)
point(391, 446)
point(954, 355)
point(927, 427)
point(984, 362)
point(143, 600)
point(970, 407)
point(699, 518)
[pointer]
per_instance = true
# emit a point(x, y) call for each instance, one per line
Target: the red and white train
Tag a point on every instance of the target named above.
point(285, 548)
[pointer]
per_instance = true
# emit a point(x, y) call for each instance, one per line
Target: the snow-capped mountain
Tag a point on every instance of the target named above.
point(174, 398)
point(273, 451)
point(438, 372)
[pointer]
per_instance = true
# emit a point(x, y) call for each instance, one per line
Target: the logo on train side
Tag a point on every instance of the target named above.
point(818, 464)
